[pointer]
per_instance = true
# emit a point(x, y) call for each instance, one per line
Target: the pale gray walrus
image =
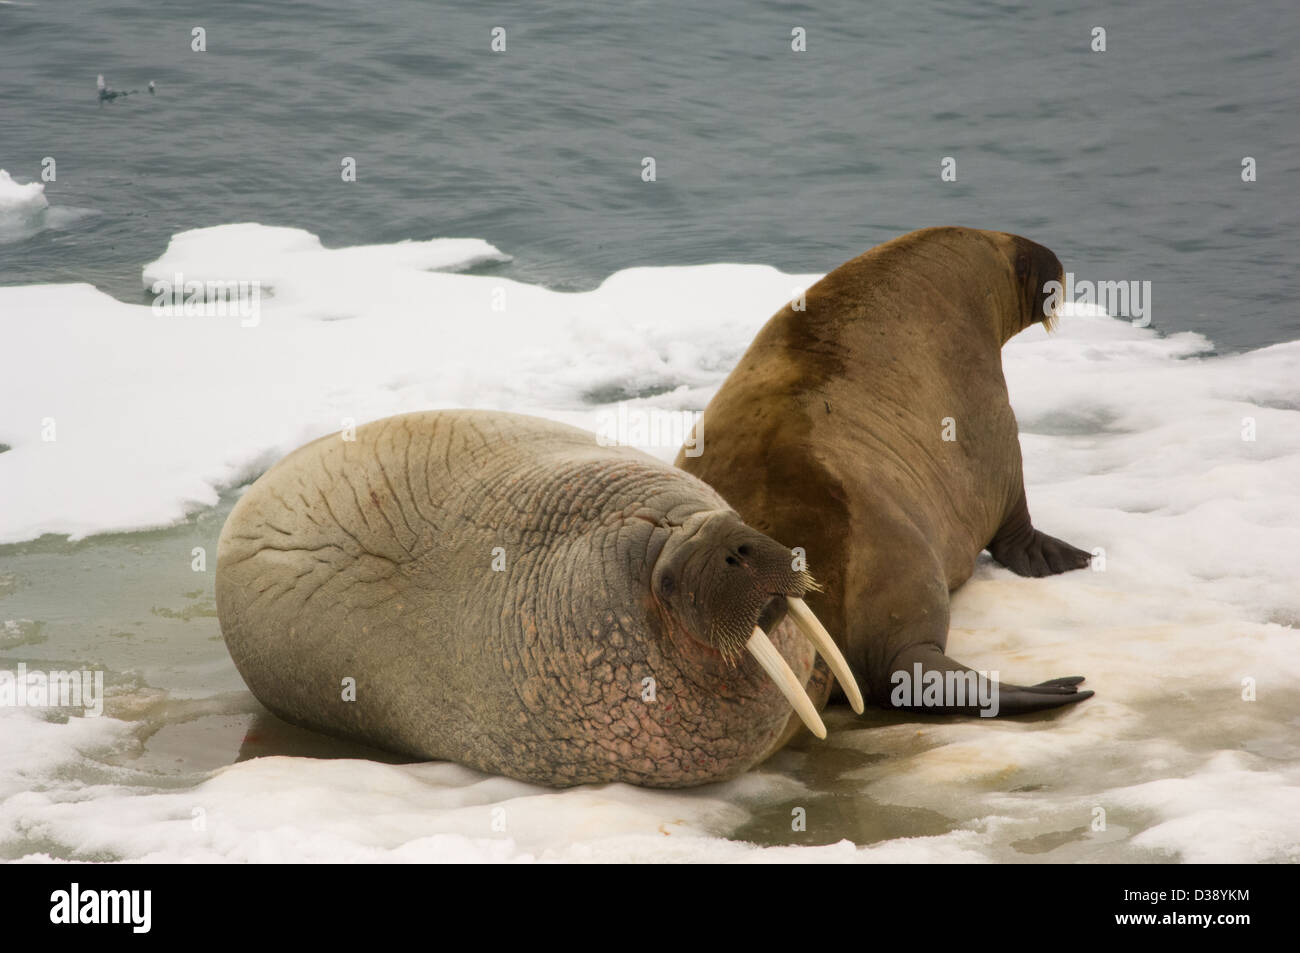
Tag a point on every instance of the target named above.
point(869, 425)
point(502, 592)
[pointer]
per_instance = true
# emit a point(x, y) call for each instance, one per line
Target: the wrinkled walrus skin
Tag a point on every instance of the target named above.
point(829, 435)
point(509, 595)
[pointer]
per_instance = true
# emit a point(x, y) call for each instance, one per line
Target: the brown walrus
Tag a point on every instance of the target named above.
point(872, 429)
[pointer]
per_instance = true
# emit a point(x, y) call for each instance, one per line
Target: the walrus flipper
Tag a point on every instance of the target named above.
point(1028, 552)
point(949, 688)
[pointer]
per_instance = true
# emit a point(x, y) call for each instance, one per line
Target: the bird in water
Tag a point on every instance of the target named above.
point(108, 94)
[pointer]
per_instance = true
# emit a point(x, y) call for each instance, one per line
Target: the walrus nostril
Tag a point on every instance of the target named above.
point(743, 549)
point(733, 561)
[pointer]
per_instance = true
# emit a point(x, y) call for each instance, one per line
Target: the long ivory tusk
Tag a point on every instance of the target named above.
point(816, 633)
point(761, 647)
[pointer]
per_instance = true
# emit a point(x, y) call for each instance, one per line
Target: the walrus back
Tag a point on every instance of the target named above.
point(319, 561)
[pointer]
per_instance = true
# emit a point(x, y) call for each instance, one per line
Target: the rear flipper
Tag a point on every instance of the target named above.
point(924, 679)
point(1027, 552)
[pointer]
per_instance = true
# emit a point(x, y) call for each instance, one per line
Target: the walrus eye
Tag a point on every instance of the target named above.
point(667, 585)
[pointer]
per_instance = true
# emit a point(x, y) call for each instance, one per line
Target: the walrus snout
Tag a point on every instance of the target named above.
point(750, 554)
point(721, 578)
point(730, 585)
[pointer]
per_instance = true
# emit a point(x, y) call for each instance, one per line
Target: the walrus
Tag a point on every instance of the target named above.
point(503, 592)
point(868, 425)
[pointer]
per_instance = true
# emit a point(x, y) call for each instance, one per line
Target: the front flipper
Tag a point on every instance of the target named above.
point(923, 679)
point(1027, 552)
point(895, 624)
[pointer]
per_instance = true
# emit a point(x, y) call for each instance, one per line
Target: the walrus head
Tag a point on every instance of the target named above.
point(725, 585)
point(1036, 269)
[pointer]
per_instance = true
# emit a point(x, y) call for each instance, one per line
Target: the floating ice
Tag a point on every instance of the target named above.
point(24, 210)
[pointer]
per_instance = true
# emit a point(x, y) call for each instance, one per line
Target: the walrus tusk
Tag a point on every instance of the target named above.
point(816, 633)
point(761, 647)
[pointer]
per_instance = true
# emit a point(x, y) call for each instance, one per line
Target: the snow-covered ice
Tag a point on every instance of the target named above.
point(24, 210)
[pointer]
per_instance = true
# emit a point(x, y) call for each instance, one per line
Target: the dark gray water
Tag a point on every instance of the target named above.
point(1127, 163)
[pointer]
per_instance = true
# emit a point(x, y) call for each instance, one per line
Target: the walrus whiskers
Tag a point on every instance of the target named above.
point(761, 647)
point(816, 633)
